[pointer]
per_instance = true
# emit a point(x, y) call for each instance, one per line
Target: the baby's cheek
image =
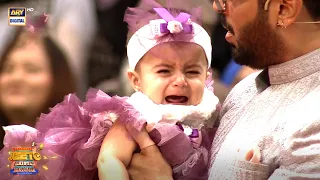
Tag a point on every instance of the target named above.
point(197, 98)
point(157, 100)
point(155, 96)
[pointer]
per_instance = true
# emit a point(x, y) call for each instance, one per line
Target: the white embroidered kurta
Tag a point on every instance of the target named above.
point(277, 110)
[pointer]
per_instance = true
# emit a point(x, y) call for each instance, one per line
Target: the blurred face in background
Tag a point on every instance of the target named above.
point(25, 77)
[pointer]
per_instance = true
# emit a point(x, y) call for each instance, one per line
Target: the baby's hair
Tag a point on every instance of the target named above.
point(134, 24)
point(151, 11)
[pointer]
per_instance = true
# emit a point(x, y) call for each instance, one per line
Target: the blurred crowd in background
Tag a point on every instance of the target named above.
point(83, 46)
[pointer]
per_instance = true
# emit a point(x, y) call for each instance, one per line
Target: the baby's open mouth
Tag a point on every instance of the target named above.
point(173, 99)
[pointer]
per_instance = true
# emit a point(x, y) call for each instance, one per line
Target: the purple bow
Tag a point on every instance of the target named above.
point(194, 134)
point(182, 18)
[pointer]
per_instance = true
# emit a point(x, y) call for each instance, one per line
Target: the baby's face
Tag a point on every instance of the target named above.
point(172, 73)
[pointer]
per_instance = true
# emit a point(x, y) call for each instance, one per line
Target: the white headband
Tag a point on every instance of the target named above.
point(146, 38)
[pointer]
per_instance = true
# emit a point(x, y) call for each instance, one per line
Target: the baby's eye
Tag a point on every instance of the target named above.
point(163, 71)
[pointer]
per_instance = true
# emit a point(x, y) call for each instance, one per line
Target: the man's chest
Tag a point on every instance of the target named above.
point(268, 120)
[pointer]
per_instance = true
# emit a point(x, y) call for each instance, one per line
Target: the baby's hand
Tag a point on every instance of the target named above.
point(253, 155)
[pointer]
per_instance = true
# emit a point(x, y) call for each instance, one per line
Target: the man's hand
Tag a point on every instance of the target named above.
point(149, 165)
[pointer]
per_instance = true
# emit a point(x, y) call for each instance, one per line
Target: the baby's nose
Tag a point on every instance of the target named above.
point(180, 81)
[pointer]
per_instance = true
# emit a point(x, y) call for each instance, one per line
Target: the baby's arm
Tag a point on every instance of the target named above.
point(187, 161)
point(115, 153)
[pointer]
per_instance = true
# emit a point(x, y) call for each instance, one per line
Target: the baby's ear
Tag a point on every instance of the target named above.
point(134, 79)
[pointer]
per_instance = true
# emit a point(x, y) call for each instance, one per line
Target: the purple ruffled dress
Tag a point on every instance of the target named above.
point(72, 134)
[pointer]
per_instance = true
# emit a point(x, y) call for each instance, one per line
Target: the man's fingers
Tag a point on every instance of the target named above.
point(135, 165)
point(150, 151)
point(149, 164)
point(132, 172)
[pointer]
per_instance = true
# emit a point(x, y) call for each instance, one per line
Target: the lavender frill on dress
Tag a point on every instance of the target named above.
point(74, 131)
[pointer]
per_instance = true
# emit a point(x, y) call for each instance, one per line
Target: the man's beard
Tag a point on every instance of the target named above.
point(258, 45)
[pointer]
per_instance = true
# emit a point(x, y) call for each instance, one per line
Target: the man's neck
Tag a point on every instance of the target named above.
point(301, 43)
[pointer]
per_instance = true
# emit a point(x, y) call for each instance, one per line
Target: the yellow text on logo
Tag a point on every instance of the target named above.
point(17, 12)
point(21, 156)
